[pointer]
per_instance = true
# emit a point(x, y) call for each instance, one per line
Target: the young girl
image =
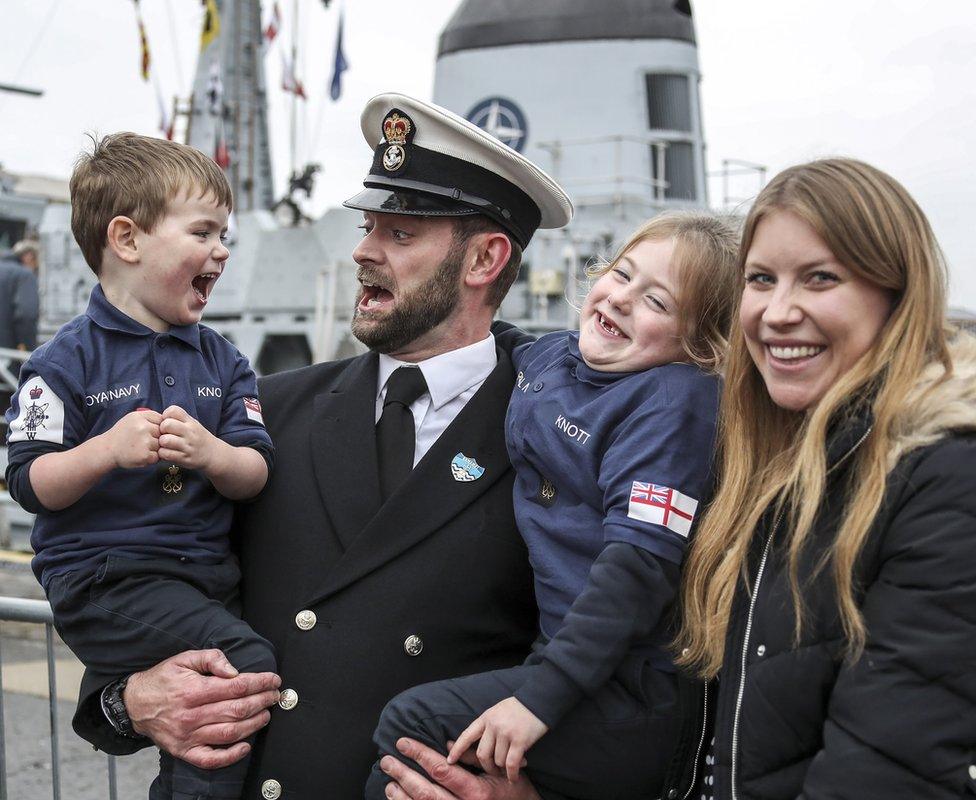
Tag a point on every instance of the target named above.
point(611, 433)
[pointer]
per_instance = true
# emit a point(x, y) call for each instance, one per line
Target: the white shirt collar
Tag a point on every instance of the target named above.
point(448, 374)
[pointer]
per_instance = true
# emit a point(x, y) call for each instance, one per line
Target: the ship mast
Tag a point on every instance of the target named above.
point(229, 102)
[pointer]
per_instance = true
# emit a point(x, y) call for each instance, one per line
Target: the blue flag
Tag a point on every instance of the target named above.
point(340, 65)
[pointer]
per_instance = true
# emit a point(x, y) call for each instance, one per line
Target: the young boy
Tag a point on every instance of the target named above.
point(135, 427)
point(611, 433)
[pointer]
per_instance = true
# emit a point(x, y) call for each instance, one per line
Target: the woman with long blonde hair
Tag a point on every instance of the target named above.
point(830, 593)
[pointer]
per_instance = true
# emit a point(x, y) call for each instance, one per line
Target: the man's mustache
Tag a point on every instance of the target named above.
point(373, 277)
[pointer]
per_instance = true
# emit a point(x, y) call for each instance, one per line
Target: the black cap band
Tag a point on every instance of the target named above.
point(458, 182)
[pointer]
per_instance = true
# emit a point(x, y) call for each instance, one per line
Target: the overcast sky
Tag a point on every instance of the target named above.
point(890, 81)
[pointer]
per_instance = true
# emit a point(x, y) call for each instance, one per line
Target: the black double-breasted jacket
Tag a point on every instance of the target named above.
point(362, 600)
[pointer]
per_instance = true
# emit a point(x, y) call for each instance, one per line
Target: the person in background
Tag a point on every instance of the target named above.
point(830, 595)
point(19, 310)
point(19, 306)
point(28, 252)
point(611, 432)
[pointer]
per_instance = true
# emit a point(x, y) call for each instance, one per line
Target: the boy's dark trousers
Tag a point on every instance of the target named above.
point(133, 613)
point(614, 744)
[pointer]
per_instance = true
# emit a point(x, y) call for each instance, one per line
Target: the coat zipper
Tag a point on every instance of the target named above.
point(701, 743)
point(752, 608)
point(745, 653)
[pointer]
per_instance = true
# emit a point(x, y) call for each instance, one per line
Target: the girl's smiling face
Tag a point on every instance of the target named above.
point(629, 320)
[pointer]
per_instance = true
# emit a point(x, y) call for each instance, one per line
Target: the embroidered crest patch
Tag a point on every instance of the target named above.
point(40, 414)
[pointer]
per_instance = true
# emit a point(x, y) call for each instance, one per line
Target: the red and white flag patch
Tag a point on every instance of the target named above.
point(662, 505)
point(252, 407)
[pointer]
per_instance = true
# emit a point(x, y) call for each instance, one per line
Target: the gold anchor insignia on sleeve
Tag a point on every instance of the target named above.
point(547, 490)
point(546, 495)
point(173, 480)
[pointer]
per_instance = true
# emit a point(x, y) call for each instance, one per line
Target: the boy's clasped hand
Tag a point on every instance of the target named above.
point(144, 437)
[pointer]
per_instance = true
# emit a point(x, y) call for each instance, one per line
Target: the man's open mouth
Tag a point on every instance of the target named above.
point(373, 296)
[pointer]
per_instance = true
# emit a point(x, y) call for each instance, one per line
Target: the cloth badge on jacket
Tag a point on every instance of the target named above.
point(252, 407)
point(662, 505)
point(40, 416)
point(466, 469)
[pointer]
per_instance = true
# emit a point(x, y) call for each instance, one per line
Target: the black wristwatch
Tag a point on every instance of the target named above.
point(114, 709)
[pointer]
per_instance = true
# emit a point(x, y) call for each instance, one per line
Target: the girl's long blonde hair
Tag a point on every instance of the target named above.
point(770, 455)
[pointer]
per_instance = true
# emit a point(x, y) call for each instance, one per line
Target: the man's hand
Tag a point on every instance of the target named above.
point(184, 441)
point(453, 782)
point(197, 707)
point(133, 441)
point(506, 731)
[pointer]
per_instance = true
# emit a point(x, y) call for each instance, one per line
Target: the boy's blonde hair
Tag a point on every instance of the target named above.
point(706, 248)
point(136, 176)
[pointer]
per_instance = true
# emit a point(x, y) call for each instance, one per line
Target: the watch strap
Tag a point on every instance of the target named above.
point(113, 706)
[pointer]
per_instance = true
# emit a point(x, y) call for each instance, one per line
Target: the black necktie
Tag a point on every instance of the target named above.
point(396, 437)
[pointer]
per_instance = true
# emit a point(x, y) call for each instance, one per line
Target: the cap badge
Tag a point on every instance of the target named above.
point(398, 130)
point(466, 469)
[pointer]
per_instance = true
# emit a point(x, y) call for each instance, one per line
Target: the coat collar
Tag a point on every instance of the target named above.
point(375, 534)
point(847, 434)
point(451, 373)
point(108, 317)
point(938, 404)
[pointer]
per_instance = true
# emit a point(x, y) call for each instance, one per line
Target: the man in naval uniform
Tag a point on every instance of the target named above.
point(383, 552)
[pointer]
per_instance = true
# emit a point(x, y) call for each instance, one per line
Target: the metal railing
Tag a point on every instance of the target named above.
point(16, 609)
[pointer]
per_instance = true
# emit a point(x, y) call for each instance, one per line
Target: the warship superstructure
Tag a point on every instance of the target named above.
point(602, 95)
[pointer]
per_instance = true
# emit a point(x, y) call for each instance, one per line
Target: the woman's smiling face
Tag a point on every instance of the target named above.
point(806, 317)
point(629, 320)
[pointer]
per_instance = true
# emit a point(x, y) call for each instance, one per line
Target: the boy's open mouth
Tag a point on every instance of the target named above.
point(203, 283)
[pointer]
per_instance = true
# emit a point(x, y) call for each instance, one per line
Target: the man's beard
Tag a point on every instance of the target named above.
point(416, 312)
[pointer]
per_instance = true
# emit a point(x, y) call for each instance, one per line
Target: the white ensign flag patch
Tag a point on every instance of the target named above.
point(662, 505)
point(41, 414)
point(252, 407)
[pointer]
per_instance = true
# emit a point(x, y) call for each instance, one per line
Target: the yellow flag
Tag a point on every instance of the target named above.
point(211, 24)
point(145, 50)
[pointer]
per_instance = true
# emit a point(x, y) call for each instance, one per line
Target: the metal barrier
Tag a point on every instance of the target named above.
point(15, 609)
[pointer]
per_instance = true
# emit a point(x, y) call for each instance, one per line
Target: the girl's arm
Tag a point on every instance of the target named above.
point(666, 441)
point(628, 592)
point(623, 602)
